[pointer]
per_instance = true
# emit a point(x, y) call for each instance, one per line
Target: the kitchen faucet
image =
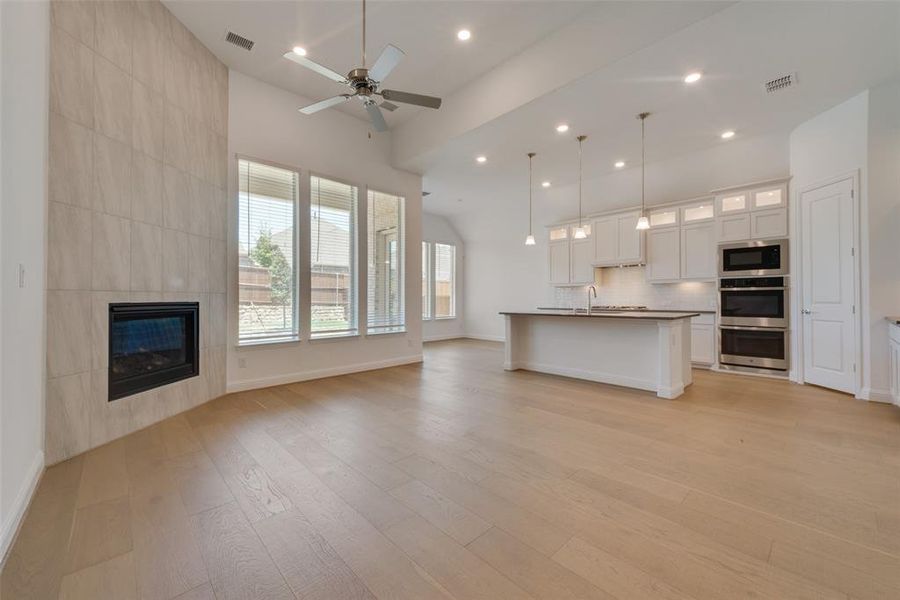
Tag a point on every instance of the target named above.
point(590, 290)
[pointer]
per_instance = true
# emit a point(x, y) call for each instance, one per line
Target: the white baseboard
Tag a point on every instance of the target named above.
point(441, 338)
point(20, 505)
point(598, 376)
point(485, 338)
point(262, 382)
point(875, 395)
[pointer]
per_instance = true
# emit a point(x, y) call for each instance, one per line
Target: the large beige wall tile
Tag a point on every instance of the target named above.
point(175, 138)
point(198, 268)
point(217, 322)
point(218, 218)
point(146, 189)
point(215, 373)
point(71, 78)
point(111, 260)
point(69, 248)
point(146, 257)
point(68, 416)
point(100, 302)
point(112, 176)
point(175, 260)
point(71, 162)
point(176, 199)
point(149, 58)
point(147, 116)
point(75, 18)
point(217, 266)
point(109, 420)
point(112, 100)
point(68, 332)
point(201, 194)
point(114, 31)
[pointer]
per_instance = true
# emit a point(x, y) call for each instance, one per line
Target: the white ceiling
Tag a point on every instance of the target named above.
point(436, 63)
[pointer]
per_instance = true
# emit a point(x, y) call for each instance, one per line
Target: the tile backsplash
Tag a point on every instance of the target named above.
point(629, 286)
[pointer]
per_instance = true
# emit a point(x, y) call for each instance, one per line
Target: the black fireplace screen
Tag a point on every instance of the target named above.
point(151, 344)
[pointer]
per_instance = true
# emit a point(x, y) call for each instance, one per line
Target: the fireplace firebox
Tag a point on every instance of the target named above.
point(152, 344)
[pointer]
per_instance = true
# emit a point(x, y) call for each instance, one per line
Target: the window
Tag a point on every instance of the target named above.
point(444, 281)
point(333, 308)
point(267, 258)
point(427, 282)
point(385, 260)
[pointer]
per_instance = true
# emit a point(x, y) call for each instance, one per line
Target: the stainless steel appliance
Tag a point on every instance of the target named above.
point(756, 258)
point(758, 347)
point(754, 301)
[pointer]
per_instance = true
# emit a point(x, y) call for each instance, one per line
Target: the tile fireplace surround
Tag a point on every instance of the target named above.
point(137, 211)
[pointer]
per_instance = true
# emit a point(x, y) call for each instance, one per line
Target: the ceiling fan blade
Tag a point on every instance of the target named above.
point(389, 106)
point(314, 66)
point(408, 98)
point(323, 104)
point(376, 117)
point(390, 58)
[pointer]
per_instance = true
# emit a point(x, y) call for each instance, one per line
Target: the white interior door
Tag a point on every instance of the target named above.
point(829, 276)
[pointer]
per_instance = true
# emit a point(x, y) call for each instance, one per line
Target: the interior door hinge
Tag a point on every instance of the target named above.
point(852, 251)
point(852, 193)
point(853, 308)
point(854, 367)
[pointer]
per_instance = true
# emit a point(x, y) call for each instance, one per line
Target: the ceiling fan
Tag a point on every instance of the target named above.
point(365, 83)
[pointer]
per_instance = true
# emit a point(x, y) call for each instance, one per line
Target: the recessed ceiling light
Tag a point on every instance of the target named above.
point(300, 50)
point(545, 184)
point(620, 164)
point(693, 77)
point(562, 128)
point(727, 135)
point(481, 159)
point(463, 35)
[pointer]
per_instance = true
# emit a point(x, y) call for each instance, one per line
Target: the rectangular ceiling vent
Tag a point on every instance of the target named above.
point(239, 41)
point(781, 83)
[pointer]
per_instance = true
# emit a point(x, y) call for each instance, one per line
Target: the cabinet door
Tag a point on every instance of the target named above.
point(698, 251)
point(733, 228)
point(703, 344)
point(582, 261)
point(730, 204)
point(769, 198)
point(629, 249)
point(559, 262)
point(663, 255)
point(768, 223)
point(605, 241)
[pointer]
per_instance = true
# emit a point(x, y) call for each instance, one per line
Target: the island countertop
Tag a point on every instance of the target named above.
point(648, 315)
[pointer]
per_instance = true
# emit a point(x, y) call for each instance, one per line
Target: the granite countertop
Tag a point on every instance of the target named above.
point(649, 315)
point(710, 311)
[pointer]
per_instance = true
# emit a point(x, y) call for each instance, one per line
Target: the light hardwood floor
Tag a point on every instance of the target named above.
point(455, 479)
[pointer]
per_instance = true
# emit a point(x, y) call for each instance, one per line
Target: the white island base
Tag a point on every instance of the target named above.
point(643, 350)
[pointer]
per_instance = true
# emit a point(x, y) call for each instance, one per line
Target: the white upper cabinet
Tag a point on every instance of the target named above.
point(698, 211)
point(769, 198)
point(733, 228)
point(664, 254)
point(582, 261)
point(732, 203)
point(698, 251)
point(664, 217)
point(570, 259)
point(770, 223)
point(616, 241)
point(559, 262)
point(754, 213)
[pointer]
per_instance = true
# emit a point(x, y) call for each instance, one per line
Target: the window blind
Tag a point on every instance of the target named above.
point(267, 290)
point(427, 280)
point(333, 257)
point(385, 260)
point(444, 281)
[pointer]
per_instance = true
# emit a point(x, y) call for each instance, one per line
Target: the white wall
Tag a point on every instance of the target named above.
point(502, 273)
point(437, 229)
point(264, 123)
point(24, 63)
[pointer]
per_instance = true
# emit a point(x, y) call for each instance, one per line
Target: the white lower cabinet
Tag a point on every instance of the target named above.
point(703, 339)
point(559, 262)
point(663, 254)
point(698, 251)
point(894, 347)
point(582, 261)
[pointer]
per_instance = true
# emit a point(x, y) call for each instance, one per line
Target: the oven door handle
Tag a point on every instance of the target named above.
point(752, 289)
point(750, 328)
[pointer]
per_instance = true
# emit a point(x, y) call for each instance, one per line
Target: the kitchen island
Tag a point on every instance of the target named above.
point(647, 350)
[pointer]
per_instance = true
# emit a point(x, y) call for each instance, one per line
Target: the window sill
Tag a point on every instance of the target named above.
point(342, 335)
point(445, 318)
point(294, 339)
point(387, 331)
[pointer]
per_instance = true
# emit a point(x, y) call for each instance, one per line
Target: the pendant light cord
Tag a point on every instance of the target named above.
point(581, 139)
point(643, 117)
point(364, 35)
point(530, 187)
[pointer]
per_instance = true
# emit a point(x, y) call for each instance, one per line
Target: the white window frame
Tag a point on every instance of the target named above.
point(432, 277)
point(428, 269)
point(297, 332)
point(401, 240)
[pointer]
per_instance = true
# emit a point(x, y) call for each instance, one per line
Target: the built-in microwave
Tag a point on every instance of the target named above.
point(754, 301)
point(756, 258)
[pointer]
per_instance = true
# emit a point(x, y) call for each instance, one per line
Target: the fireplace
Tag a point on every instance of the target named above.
point(152, 344)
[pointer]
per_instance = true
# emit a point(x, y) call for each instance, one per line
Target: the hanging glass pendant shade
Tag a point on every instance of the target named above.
point(579, 233)
point(529, 239)
point(643, 221)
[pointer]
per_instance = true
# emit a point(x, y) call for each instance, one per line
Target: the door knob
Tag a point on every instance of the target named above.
point(806, 311)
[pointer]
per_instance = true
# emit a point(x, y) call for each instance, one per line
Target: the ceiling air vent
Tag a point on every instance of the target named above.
point(239, 41)
point(781, 83)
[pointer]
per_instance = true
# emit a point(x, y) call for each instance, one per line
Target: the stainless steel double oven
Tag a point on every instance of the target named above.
point(753, 305)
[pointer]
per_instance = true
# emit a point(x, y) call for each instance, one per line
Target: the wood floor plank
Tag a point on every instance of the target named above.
point(104, 476)
point(113, 578)
point(100, 532)
point(203, 592)
point(442, 512)
point(238, 564)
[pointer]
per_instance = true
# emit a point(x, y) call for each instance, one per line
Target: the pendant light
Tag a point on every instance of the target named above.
point(529, 239)
point(643, 222)
point(579, 233)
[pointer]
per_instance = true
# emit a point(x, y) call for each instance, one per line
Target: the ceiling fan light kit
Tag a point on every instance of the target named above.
point(364, 83)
